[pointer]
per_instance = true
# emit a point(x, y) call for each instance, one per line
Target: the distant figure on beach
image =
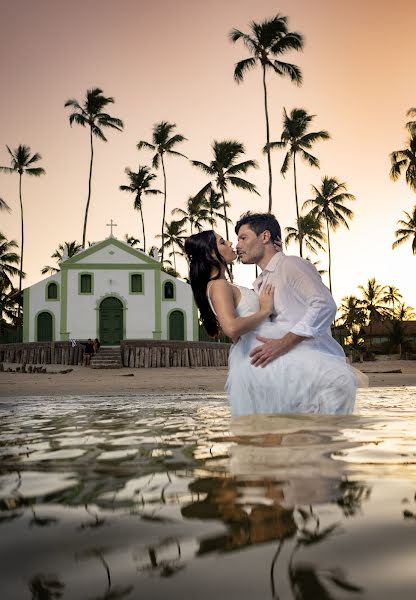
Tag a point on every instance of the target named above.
point(96, 345)
point(88, 352)
point(284, 359)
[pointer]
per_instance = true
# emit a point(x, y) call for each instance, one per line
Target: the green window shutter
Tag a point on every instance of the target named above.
point(168, 291)
point(86, 284)
point(137, 283)
point(52, 291)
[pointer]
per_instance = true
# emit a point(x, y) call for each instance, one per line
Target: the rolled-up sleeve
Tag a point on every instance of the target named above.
point(320, 308)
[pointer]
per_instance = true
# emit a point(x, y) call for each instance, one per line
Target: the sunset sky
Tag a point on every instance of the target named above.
point(172, 60)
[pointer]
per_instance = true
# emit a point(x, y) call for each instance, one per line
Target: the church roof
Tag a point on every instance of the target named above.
point(89, 253)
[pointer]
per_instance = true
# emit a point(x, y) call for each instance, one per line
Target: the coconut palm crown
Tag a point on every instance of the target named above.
point(404, 161)
point(64, 251)
point(406, 231)
point(163, 143)
point(266, 42)
point(92, 114)
point(140, 185)
point(312, 233)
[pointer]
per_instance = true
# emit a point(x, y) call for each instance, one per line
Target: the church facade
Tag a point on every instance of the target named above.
point(112, 292)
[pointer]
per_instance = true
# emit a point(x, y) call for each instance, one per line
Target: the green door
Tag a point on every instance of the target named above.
point(45, 328)
point(111, 322)
point(176, 325)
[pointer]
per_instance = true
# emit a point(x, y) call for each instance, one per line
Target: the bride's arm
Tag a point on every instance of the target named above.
point(223, 301)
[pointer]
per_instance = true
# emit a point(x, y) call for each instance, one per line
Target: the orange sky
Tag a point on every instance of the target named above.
point(171, 60)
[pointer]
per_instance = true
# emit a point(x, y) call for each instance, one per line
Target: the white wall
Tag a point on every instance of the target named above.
point(183, 301)
point(37, 303)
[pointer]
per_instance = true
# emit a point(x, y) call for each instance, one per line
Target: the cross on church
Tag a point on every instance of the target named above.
point(111, 224)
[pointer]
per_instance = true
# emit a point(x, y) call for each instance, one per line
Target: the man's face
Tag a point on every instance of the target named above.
point(250, 247)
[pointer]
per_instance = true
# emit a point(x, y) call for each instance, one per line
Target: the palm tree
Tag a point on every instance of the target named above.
point(163, 142)
point(373, 302)
point(140, 183)
point(91, 115)
point(296, 139)
point(214, 204)
point(328, 204)
point(405, 161)
point(64, 251)
point(4, 205)
point(224, 170)
point(266, 42)
point(196, 213)
point(22, 163)
point(351, 312)
point(310, 229)
point(131, 240)
point(407, 230)
point(405, 313)
point(8, 259)
point(174, 235)
point(391, 296)
point(411, 125)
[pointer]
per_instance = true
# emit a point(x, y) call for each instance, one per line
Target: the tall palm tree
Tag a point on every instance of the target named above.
point(163, 143)
point(373, 302)
point(407, 230)
point(225, 170)
point(64, 251)
point(140, 182)
point(91, 114)
point(310, 228)
point(405, 161)
point(296, 139)
point(22, 163)
point(391, 296)
point(405, 313)
point(266, 42)
point(328, 205)
point(174, 235)
point(351, 311)
point(4, 206)
point(195, 214)
point(8, 259)
point(214, 204)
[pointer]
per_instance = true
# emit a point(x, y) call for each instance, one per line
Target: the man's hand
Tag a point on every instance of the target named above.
point(273, 348)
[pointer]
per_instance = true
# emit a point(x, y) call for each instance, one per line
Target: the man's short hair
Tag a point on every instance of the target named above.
point(259, 222)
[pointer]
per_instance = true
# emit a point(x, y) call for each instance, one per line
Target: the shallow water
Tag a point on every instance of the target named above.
point(167, 497)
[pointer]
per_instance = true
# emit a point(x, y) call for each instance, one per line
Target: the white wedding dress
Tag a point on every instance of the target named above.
point(303, 380)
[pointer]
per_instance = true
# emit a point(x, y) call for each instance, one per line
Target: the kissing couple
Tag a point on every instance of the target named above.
point(284, 358)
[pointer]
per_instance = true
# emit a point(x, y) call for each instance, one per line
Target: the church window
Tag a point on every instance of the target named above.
point(52, 291)
point(85, 283)
point(136, 283)
point(168, 291)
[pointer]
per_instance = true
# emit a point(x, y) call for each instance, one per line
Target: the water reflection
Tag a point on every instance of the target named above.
point(120, 498)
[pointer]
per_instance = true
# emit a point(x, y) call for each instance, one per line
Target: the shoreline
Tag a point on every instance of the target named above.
point(185, 380)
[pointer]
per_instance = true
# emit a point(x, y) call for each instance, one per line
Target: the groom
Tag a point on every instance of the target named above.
point(304, 307)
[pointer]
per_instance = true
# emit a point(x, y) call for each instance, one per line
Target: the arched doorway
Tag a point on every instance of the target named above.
point(111, 321)
point(44, 327)
point(176, 325)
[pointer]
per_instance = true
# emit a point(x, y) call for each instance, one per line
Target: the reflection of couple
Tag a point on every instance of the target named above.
point(283, 326)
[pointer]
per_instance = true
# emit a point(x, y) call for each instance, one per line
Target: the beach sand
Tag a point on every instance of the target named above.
point(113, 382)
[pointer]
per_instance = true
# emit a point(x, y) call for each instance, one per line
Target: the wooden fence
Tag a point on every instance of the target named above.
point(134, 353)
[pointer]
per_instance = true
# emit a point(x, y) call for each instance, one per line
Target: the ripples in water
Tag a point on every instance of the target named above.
point(167, 497)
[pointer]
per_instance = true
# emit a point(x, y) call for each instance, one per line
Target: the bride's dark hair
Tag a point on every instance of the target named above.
point(201, 249)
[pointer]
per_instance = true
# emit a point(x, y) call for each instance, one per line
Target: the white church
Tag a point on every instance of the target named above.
point(112, 292)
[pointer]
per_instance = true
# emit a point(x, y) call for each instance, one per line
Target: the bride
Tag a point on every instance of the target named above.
point(303, 380)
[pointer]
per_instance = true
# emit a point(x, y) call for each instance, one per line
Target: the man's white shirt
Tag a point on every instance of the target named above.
point(303, 304)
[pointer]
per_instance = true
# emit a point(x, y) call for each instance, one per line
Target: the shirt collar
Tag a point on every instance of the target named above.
point(269, 268)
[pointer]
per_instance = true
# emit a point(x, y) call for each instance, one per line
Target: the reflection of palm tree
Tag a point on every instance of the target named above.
point(297, 140)
point(91, 114)
point(266, 43)
point(328, 205)
point(406, 231)
point(140, 183)
point(225, 170)
point(163, 143)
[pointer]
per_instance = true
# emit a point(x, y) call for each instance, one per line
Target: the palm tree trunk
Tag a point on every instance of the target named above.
point(84, 233)
point(225, 213)
point(174, 257)
point(22, 233)
point(144, 235)
point(269, 162)
point(329, 257)
point(297, 206)
point(164, 206)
